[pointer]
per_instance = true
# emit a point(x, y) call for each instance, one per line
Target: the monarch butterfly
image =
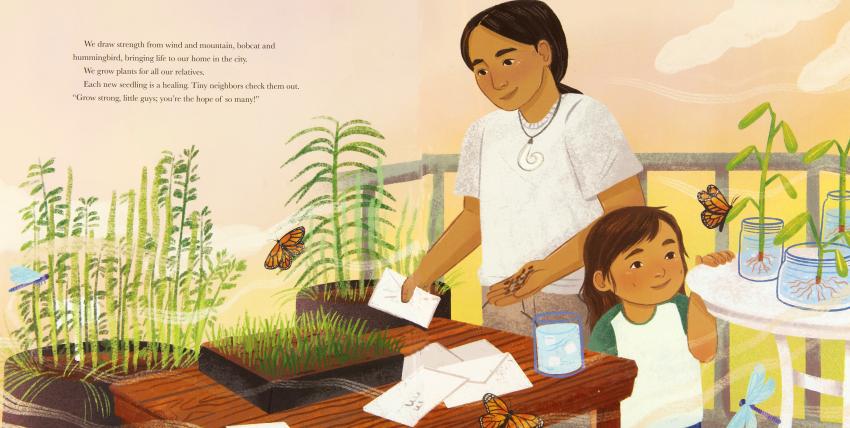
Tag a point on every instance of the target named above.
point(498, 415)
point(716, 207)
point(286, 249)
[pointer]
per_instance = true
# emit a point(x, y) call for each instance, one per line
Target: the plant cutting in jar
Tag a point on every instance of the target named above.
point(760, 261)
point(819, 287)
point(833, 222)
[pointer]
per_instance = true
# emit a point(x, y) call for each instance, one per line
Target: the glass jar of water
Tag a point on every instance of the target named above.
point(558, 350)
point(758, 258)
point(801, 284)
point(830, 223)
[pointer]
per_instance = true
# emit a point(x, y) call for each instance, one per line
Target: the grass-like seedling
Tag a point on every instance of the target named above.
point(280, 347)
point(760, 262)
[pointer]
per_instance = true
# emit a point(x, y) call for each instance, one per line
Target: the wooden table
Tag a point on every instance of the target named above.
point(755, 305)
point(189, 396)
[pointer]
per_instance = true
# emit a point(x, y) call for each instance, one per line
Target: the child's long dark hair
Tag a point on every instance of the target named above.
point(528, 22)
point(609, 237)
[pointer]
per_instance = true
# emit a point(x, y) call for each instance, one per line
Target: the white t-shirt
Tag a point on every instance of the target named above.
point(668, 386)
point(526, 215)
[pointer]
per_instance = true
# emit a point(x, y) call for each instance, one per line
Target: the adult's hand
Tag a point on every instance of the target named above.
point(528, 280)
point(409, 286)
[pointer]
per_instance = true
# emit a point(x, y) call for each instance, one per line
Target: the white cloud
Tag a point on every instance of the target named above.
point(830, 67)
point(748, 22)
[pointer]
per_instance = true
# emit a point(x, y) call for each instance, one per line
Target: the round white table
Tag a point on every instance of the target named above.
point(754, 305)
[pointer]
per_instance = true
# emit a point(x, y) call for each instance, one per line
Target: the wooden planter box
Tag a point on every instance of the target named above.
point(375, 319)
point(276, 394)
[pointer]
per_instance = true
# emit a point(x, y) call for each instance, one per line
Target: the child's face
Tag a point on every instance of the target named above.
point(509, 73)
point(647, 273)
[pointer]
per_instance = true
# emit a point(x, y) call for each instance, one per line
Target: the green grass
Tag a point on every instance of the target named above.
point(280, 347)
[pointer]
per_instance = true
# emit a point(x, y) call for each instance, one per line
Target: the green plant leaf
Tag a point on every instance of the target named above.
point(791, 228)
point(352, 122)
point(840, 263)
point(789, 189)
point(361, 130)
point(737, 208)
point(753, 115)
point(359, 165)
point(309, 130)
point(317, 145)
point(740, 157)
point(817, 151)
point(788, 137)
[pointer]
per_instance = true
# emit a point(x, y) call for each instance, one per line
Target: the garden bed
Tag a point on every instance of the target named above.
point(279, 364)
point(44, 395)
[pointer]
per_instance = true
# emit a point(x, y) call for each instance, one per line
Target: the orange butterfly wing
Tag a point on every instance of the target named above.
point(494, 404)
point(274, 257)
point(713, 200)
point(288, 246)
point(716, 207)
point(493, 420)
point(498, 416)
point(521, 420)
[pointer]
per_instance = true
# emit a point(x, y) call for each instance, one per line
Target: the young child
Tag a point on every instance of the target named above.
point(633, 287)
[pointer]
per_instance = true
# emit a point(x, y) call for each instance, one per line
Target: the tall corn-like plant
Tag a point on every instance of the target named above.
point(763, 159)
point(338, 151)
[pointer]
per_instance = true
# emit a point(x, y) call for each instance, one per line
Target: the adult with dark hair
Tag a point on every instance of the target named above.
point(534, 174)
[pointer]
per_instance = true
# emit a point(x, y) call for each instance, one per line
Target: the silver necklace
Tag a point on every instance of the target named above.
point(526, 159)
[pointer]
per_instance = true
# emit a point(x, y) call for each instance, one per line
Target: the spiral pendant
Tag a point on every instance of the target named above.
point(527, 160)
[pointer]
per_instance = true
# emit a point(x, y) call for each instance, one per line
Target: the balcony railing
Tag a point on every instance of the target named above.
point(438, 165)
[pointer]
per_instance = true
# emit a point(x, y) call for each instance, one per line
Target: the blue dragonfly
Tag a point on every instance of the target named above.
point(22, 277)
point(758, 390)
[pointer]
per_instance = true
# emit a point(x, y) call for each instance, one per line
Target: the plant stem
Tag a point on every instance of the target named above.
point(763, 182)
point(842, 186)
point(51, 281)
point(335, 196)
point(36, 292)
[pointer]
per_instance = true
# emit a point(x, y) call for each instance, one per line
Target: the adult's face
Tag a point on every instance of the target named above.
point(509, 73)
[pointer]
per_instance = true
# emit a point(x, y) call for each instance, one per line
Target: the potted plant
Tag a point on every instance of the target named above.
point(281, 363)
point(112, 305)
point(834, 210)
point(813, 275)
point(347, 224)
point(759, 259)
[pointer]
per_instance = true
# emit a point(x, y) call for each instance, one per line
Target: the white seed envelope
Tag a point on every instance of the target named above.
point(386, 297)
point(480, 367)
point(411, 399)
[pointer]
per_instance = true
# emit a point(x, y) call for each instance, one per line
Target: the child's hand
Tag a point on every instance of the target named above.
point(715, 259)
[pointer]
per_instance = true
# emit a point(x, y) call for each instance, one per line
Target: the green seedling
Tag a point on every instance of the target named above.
point(762, 262)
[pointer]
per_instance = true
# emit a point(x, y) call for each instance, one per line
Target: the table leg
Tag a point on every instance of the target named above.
point(606, 417)
point(845, 391)
point(786, 414)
